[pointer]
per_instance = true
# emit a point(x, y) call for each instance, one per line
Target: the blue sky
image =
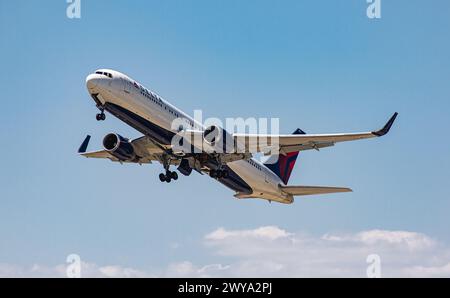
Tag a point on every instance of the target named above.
point(322, 66)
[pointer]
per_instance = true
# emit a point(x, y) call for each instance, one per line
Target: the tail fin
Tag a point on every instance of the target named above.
point(285, 164)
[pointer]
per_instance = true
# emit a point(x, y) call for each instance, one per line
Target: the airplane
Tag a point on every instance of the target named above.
point(153, 116)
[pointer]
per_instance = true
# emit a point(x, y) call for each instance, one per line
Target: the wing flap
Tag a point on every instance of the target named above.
point(144, 146)
point(312, 190)
point(316, 146)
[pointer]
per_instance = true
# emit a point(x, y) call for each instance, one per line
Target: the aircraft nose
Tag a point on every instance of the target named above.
point(92, 81)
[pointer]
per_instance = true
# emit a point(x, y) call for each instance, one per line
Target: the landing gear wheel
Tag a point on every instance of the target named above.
point(174, 175)
point(162, 177)
point(219, 174)
point(100, 117)
point(168, 179)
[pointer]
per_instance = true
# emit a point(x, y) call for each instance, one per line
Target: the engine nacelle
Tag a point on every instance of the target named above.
point(119, 146)
point(212, 135)
point(216, 139)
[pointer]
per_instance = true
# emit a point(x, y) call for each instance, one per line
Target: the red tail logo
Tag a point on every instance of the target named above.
point(285, 164)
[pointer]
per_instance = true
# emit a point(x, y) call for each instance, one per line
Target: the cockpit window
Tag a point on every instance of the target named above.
point(104, 73)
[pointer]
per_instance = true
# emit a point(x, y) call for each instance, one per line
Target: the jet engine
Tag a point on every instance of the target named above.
point(216, 139)
point(119, 146)
point(212, 135)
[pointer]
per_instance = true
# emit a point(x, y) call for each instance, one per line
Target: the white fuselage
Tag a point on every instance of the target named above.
point(118, 89)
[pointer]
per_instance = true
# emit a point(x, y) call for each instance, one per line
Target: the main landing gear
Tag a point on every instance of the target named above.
point(218, 174)
point(100, 116)
point(168, 177)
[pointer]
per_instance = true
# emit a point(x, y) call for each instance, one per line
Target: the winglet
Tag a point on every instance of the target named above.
point(84, 145)
point(387, 126)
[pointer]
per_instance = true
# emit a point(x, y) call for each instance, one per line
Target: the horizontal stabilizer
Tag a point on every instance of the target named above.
point(98, 154)
point(312, 190)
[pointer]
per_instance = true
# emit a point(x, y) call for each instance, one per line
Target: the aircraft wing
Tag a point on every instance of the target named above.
point(312, 190)
point(293, 143)
point(146, 151)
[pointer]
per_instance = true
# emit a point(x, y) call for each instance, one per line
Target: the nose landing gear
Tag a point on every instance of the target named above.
point(100, 116)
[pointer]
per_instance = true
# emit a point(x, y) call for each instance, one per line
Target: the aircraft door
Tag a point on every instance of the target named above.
point(126, 86)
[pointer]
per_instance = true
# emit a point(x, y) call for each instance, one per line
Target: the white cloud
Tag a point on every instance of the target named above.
point(274, 252)
point(117, 271)
point(187, 269)
point(418, 271)
point(410, 240)
point(270, 233)
point(87, 270)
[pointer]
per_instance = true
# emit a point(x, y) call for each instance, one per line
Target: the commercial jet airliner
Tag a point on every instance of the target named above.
point(234, 167)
